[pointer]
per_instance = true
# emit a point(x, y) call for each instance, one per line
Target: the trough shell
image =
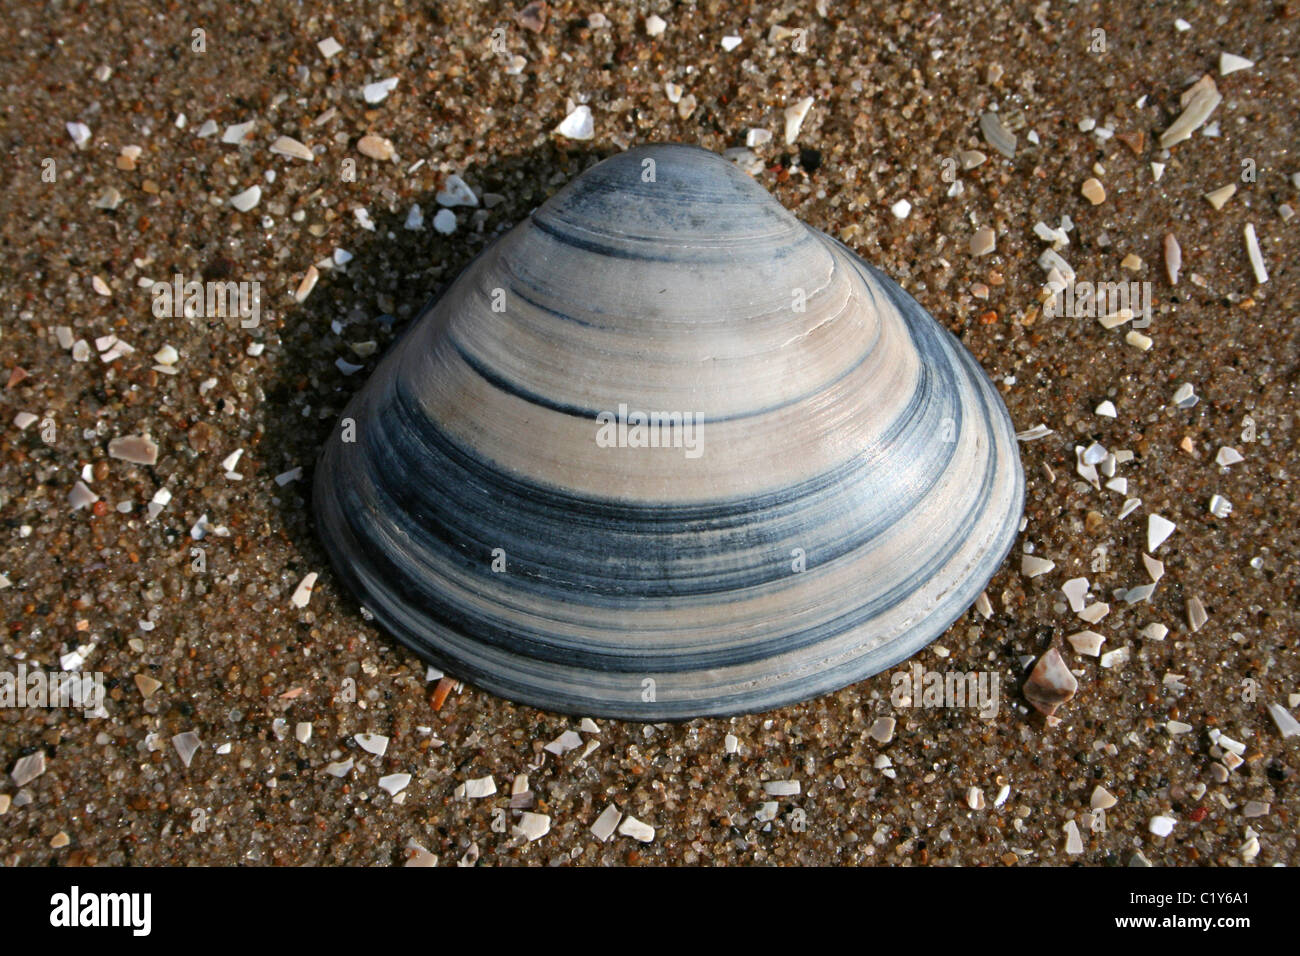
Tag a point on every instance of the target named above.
point(851, 483)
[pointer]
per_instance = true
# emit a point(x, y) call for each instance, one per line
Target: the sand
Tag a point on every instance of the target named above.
point(224, 652)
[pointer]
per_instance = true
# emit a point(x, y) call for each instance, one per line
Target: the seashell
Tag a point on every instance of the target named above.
point(663, 451)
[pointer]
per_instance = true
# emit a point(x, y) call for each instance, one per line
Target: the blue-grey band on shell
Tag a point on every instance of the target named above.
point(859, 480)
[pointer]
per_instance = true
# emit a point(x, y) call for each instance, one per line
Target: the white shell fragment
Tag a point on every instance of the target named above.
point(1073, 840)
point(604, 825)
point(997, 135)
point(1162, 826)
point(26, 769)
point(782, 788)
point(1031, 434)
point(795, 114)
point(235, 135)
point(578, 124)
point(81, 495)
point(1228, 456)
point(378, 92)
point(710, 502)
point(376, 744)
point(80, 134)
point(1158, 530)
point(247, 199)
point(1217, 197)
point(1155, 632)
point(1231, 63)
point(187, 745)
point(634, 828)
point(1086, 642)
point(138, 449)
point(288, 146)
point(1287, 725)
point(1173, 258)
point(456, 192)
point(1032, 566)
point(532, 826)
point(1102, 799)
point(1256, 257)
point(569, 740)
point(1075, 590)
point(395, 783)
point(1204, 98)
point(302, 593)
point(1116, 657)
point(418, 856)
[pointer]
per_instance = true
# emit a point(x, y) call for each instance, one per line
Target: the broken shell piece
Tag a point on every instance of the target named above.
point(247, 199)
point(1228, 456)
point(795, 114)
point(1218, 197)
point(1162, 826)
point(997, 135)
point(1138, 340)
point(137, 449)
point(1154, 632)
point(1287, 725)
point(1102, 799)
point(532, 826)
point(302, 594)
point(634, 828)
point(1173, 258)
point(1032, 566)
point(1086, 642)
point(1231, 63)
point(1199, 101)
point(288, 146)
point(604, 825)
point(1075, 590)
point(1158, 531)
point(456, 192)
point(1050, 684)
point(577, 125)
point(1255, 256)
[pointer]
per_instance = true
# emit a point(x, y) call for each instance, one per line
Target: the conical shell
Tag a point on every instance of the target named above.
point(832, 479)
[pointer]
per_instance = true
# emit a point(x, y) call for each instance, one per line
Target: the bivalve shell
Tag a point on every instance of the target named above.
point(663, 451)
